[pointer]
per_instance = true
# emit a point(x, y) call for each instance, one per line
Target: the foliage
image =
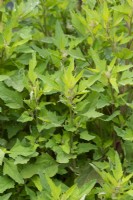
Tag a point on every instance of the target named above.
point(66, 99)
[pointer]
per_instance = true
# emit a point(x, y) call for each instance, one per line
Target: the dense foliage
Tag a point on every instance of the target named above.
point(66, 100)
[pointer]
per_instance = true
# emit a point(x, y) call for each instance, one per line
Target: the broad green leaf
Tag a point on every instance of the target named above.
point(86, 136)
point(16, 81)
point(11, 170)
point(28, 7)
point(49, 119)
point(25, 117)
point(125, 134)
point(22, 159)
point(92, 114)
point(62, 157)
point(5, 183)
point(85, 147)
point(20, 150)
point(11, 98)
point(44, 163)
point(25, 32)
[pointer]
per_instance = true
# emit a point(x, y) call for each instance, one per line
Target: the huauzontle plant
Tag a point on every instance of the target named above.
point(66, 99)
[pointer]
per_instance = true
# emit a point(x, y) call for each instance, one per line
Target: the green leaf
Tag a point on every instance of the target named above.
point(114, 84)
point(111, 117)
point(36, 180)
point(44, 163)
point(55, 190)
point(20, 150)
point(11, 98)
point(86, 188)
point(76, 54)
point(2, 154)
point(106, 12)
point(30, 193)
point(6, 196)
point(79, 23)
point(125, 53)
point(11, 170)
point(16, 81)
point(85, 147)
point(32, 64)
point(25, 117)
point(99, 64)
point(3, 77)
point(60, 39)
point(5, 183)
point(118, 172)
point(93, 79)
point(92, 114)
point(84, 135)
point(68, 193)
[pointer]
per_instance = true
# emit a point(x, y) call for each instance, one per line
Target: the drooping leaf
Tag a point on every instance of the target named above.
point(11, 170)
point(11, 98)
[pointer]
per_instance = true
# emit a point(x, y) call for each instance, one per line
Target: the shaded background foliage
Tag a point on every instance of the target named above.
point(66, 99)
